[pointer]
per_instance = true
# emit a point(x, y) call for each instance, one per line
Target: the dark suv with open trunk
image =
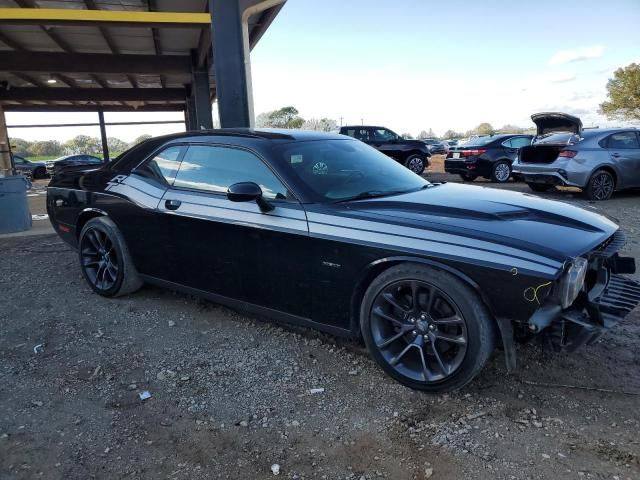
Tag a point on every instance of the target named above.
point(600, 161)
point(413, 154)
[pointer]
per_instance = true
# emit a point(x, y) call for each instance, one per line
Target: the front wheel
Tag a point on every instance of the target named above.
point(426, 328)
point(105, 260)
point(39, 173)
point(415, 163)
point(600, 186)
point(501, 172)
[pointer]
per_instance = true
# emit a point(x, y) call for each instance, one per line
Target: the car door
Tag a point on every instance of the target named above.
point(624, 150)
point(513, 146)
point(233, 249)
point(386, 141)
point(20, 164)
point(133, 205)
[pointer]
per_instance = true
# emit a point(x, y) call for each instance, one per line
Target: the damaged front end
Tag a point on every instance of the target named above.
point(591, 297)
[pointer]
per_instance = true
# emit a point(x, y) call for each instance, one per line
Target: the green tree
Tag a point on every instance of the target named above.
point(140, 139)
point(623, 92)
point(286, 117)
point(483, 129)
point(116, 145)
point(452, 134)
point(322, 124)
point(21, 147)
point(83, 144)
point(46, 148)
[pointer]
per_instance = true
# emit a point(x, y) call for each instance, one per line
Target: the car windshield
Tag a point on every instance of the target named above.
point(339, 170)
point(561, 138)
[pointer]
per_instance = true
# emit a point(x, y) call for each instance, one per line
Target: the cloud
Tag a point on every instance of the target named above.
point(576, 55)
point(564, 78)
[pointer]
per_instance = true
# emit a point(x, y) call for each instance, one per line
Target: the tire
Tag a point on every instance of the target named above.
point(39, 173)
point(501, 172)
point(119, 277)
point(468, 177)
point(399, 337)
point(540, 187)
point(416, 163)
point(600, 186)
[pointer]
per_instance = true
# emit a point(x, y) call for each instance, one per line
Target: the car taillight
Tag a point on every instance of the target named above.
point(567, 153)
point(473, 153)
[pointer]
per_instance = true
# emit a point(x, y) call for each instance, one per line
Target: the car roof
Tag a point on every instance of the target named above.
point(363, 126)
point(257, 133)
point(590, 132)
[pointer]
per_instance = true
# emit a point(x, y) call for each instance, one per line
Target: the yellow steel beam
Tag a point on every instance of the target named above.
point(66, 16)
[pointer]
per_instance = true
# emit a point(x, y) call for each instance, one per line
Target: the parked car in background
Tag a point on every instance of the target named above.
point(489, 156)
point(71, 161)
point(413, 154)
point(33, 170)
point(321, 230)
point(436, 147)
point(599, 161)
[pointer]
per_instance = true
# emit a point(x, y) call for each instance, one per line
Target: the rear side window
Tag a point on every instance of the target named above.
point(358, 133)
point(162, 166)
point(214, 169)
point(520, 142)
point(623, 141)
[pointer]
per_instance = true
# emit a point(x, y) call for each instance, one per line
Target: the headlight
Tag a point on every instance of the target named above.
point(572, 281)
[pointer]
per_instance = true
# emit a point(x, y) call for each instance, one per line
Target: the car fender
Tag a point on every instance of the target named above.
point(607, 166)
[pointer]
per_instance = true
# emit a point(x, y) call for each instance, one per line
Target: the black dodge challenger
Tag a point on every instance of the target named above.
point(325, 231)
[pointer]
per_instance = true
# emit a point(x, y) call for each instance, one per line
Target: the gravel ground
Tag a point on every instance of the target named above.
point(232, 396)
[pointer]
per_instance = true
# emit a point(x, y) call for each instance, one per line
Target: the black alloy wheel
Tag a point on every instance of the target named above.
point(426, 328)
point(601, 186)
point(99, 259)
point(419, 330)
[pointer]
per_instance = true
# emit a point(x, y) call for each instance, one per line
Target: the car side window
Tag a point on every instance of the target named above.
point(215, 168)
point(623, 141)
point(19, 160)
point(520, 142)
point(383, 135)
point(163, 166)
point(361, 134)
point(507, 144)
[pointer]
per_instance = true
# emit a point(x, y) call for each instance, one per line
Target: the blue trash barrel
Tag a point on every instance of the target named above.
point(14, 209)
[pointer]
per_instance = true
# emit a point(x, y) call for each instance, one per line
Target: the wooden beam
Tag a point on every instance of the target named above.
point(94, 63)
point(21, 94)
point(128, 18)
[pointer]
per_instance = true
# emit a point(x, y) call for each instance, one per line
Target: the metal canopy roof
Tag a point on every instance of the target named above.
point(102, 58)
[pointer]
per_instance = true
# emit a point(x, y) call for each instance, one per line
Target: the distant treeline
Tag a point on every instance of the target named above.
point(78, 144)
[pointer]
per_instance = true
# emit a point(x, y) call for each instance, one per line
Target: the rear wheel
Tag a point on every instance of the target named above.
point(600, 186)
point(501, 172)
point(39, 173)
point(468, 177)
point(426, 328)
point(415, 163)
point(105, 260)
point(540, 187)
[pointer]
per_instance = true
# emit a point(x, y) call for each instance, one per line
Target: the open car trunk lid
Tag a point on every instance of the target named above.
point(556, 122)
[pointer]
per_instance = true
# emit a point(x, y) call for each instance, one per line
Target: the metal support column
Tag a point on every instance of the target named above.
point(234, 106)
point(103, 136)
point(190, 114)
point(200, 96)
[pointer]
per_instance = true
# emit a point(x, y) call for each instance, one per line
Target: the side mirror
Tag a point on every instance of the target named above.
point(248, 192)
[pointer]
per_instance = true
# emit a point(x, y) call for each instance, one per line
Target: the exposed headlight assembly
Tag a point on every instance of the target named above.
point(572, 281)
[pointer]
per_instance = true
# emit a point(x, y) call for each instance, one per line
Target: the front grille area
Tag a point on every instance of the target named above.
point(619, 297)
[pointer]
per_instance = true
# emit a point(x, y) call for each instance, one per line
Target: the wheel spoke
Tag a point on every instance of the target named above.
point(389, 298)
point(445, 370)
point(415, 295)
point(457, 339)
point(380, 313)
point(432, 298)
point(98, 274)
point(392, 339)
point(397, 358)
point(425, 370)
point(452, 320)
point(93, 240)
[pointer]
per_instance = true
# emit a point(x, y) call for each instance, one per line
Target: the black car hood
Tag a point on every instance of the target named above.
point(553, 122)
point(553, 229)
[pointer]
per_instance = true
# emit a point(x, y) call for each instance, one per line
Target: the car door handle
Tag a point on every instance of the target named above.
point(615, 154)
point(172, 204)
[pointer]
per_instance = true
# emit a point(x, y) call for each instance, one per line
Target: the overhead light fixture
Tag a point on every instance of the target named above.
point(51, 80)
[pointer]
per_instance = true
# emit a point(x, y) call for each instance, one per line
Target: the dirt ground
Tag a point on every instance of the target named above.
point(232, 396)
